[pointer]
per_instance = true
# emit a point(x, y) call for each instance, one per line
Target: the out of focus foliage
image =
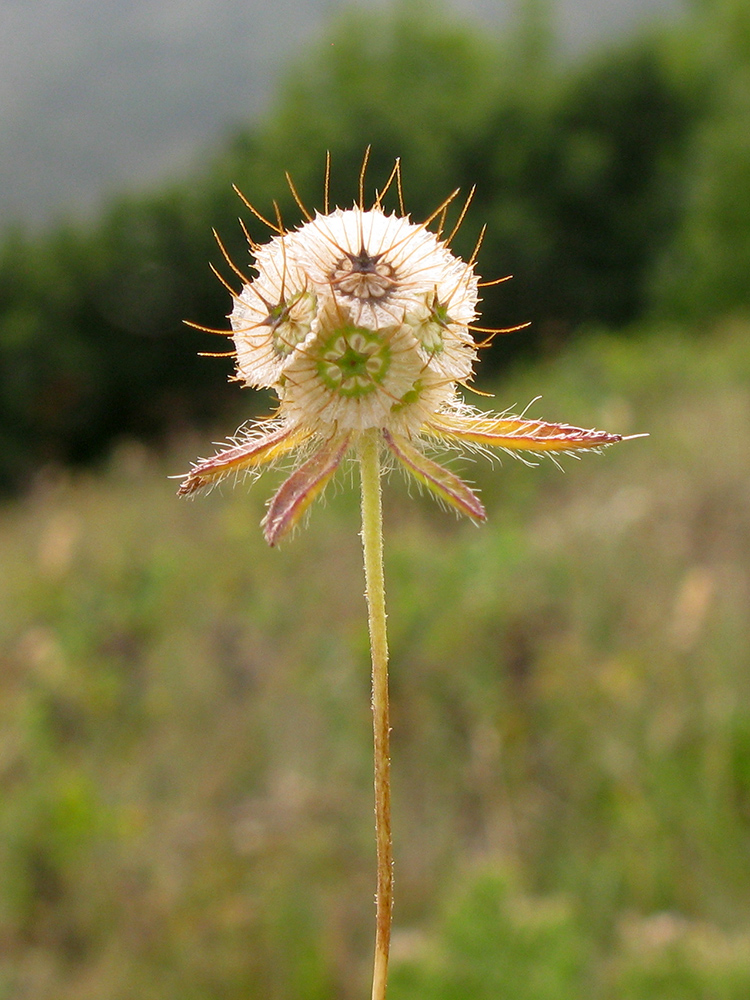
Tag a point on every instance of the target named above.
point(185, 726)
point(706, 269)
point(610, 185)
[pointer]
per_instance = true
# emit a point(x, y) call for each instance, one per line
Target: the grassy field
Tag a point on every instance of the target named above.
point(185, 776)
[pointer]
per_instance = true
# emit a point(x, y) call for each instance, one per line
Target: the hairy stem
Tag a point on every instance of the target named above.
point(372, 544)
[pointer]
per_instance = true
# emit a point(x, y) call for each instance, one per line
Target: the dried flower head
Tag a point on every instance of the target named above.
point(364, 321)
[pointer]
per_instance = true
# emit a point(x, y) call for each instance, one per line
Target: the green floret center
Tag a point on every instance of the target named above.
point(408, 398)
point(430, 330)
point(353, 361)
point(290, 322)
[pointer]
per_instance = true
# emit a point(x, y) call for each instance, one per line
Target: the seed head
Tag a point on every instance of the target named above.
point(362, 321)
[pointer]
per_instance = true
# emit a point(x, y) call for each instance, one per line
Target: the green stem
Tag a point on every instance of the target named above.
point(372, 544)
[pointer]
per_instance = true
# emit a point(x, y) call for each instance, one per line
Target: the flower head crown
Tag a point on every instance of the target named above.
point(363, 322)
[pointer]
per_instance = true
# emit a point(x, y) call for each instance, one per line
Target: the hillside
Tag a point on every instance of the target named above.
point(185, 803)
point(99, 98)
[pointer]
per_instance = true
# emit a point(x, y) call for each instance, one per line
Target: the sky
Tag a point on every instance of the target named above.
point(102, 96)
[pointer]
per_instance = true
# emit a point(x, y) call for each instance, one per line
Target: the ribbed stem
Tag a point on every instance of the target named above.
point(372, 544)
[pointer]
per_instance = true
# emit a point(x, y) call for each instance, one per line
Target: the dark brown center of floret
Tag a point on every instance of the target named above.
point(363, 276)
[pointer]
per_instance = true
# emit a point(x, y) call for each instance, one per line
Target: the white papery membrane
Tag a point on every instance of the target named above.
point(272, 315)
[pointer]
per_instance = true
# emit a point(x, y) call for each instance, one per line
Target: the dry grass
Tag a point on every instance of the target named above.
point(184, 714)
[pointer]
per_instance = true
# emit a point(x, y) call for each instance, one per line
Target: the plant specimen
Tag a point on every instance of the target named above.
point(363, 323)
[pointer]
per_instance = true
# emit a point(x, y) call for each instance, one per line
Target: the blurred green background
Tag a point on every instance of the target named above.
point(185, 772)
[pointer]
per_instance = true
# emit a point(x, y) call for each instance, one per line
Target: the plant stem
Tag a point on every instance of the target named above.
point(372, 544)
